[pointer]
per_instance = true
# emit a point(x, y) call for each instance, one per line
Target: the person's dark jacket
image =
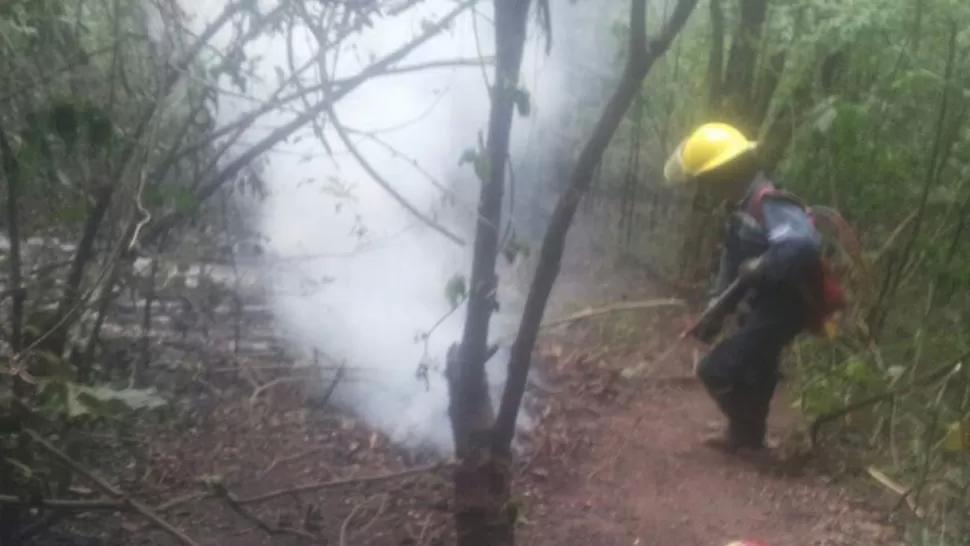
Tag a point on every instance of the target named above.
point(787, 242)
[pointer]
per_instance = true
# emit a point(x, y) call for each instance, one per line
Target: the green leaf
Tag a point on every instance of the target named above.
point(185, 201)
point(75, 400)
point(895, 372)
point(456, 290)
point(514, 248)
point(468, 156)
point(113, 401)
point(856, 369)
point(523, 101)
point(957, 437)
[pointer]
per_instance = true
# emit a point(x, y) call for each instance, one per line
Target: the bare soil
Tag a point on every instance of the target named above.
point(621, 462)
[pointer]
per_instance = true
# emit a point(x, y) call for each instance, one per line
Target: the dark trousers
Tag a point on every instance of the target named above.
point(741, 372)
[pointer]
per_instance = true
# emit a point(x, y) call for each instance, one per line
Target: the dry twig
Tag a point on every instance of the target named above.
point(610, 309)
point(132, 504)
point(220, 491)
point(289, 459)
point(905, 493)
point(346, 523)
point(270, 384)
point(69, 504)
point(314, 487)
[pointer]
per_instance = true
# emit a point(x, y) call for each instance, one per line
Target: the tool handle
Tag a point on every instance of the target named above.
point(714, 308)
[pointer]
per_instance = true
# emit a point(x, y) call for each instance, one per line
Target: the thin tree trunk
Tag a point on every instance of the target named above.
point(141, 362)
point(715, 67)
point(740, 69)
point(10, 516)
point(482, 509)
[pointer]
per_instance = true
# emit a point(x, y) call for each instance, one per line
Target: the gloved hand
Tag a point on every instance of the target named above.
point(708, 327)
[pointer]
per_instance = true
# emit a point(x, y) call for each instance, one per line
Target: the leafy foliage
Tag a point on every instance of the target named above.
point(861, 106)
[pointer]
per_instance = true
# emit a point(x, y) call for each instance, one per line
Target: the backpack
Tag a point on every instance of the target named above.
point(823, 291)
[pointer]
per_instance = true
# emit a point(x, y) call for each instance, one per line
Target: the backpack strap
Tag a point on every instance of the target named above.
point(755, 205)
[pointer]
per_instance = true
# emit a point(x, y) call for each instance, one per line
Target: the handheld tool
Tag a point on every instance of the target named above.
point(714, 309)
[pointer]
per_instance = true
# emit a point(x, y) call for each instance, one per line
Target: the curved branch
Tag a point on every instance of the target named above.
point(383, 183)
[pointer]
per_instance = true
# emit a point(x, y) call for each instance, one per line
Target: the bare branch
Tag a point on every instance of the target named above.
point(344, 527)
point(11, 171)
point(377, 178)
point(621, 307)
point(370, 480)
point(236, 166)
point(69, 504)
point(232, 501)
point(134, 505)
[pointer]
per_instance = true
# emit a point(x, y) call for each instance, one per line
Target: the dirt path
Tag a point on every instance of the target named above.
point(621, 462)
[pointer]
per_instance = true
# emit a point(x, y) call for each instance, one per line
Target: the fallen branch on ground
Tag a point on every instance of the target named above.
point(346, 523)
point(921, 381)
point(337, 378)
point(278, 381)
point(219, 491)
point(894, 486)
point(314, 487)
point(609, 309)
point(307, 488)
point(289, 459)
point(132, 504)
point(69, 504)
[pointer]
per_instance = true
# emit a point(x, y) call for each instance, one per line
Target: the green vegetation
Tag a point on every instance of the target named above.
point(109, 153)
point(861, 106)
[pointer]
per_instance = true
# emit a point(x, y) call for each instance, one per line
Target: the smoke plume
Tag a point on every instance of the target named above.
point(360, 279)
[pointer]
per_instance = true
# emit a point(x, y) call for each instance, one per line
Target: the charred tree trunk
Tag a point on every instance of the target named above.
point(482, 481)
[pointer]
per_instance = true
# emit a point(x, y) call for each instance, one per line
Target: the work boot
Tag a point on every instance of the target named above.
point(730, 444)
point(723, 442)
point(727, 441)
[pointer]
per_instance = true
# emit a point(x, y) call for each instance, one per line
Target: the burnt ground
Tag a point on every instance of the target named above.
point(613, 461)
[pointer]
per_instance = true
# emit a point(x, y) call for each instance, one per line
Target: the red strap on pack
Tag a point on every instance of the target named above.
point(756, 207)
point(756, 204)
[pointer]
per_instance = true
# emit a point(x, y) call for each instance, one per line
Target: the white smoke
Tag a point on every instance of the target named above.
point(384, 286)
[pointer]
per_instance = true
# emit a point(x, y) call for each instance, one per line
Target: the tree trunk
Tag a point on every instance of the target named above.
point(715, 66)
point(482, 509)
point(732, 99)
point(739, 73)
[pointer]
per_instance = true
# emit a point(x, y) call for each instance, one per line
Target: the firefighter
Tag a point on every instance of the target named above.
point(773, 248)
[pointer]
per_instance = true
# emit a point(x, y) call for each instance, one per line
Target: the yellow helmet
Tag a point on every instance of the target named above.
point(710, 146)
